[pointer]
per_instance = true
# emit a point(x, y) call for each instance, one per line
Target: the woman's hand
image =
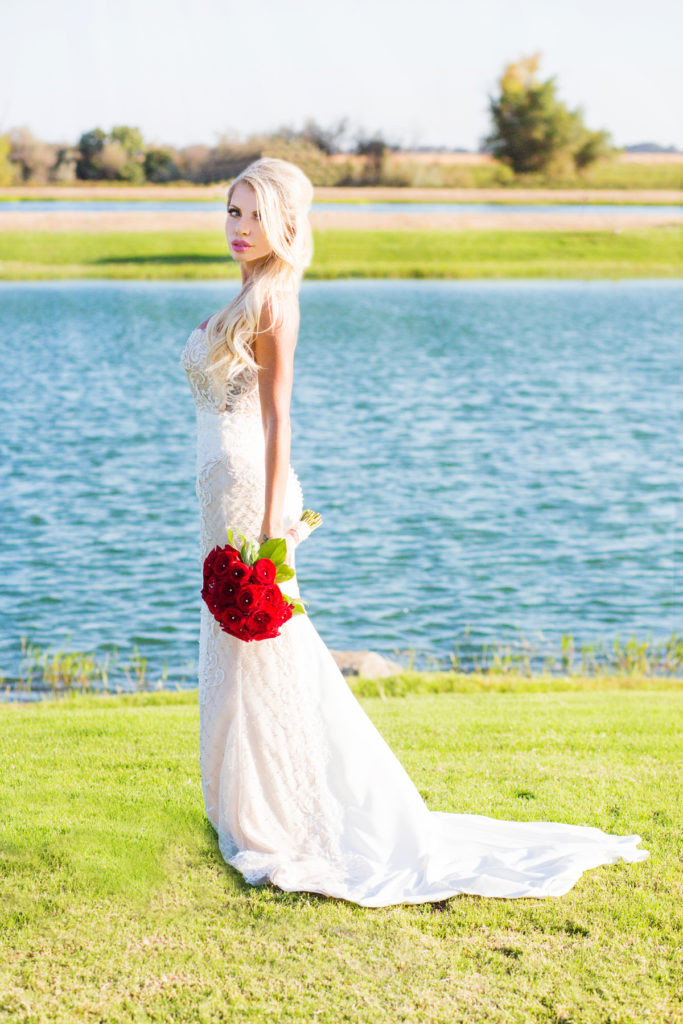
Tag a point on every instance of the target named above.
point(268, 531)
point(290, 541)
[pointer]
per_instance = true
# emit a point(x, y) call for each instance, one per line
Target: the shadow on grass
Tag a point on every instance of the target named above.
point(169, 260)
point(268, 891)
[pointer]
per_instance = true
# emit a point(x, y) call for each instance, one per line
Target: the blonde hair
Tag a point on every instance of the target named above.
point(284, 196)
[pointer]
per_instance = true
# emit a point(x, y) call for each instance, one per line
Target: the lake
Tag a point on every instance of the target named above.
point(495, 462)
point(208, 206)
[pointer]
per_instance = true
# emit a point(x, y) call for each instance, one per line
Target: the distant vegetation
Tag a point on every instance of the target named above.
point(535, 141)
point(534, 131)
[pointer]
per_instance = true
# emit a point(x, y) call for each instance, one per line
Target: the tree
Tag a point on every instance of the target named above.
point(132, 144)
point(535, 131)
point(32, 158)
point(7, 169)
point(160, 165)
point(118, 155)
point(112, 160)
point(329, 140)
point(375, 149)
point(90, 145)
point(130, 138)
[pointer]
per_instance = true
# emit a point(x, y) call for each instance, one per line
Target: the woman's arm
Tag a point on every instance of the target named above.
point(274, 351)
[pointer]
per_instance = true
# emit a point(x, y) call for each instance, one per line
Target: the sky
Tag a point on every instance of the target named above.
point(191, 71)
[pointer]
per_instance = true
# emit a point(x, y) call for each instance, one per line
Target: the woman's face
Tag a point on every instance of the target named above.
point(243, 229)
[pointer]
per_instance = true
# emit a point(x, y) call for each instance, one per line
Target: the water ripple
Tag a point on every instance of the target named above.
point(491, 460)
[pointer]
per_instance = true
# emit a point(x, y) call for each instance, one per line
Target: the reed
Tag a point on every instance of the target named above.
point(47, 670)
point(521, 665)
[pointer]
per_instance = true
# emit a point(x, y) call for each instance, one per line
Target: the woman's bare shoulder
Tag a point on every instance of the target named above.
point(280, 310)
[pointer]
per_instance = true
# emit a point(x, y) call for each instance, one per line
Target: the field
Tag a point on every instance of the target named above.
point(195, 255)
point(118, 906)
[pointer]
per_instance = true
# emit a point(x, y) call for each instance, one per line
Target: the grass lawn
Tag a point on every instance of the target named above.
point(180, 255)
point(118, 907)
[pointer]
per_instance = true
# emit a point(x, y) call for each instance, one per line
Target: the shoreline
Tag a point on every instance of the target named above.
point(404, 684)
point(354, 194)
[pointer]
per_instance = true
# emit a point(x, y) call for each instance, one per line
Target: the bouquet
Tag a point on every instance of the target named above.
point(241, 583)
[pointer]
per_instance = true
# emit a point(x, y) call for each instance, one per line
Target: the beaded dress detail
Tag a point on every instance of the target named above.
point(299, 785)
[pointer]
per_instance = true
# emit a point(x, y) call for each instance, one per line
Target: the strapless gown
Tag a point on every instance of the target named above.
point(302, 790)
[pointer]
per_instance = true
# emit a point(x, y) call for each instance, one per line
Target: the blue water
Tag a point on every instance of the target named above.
point(189, 205)
point(493, 461)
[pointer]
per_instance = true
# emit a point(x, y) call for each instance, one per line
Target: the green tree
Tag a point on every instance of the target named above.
point(7, 168)
point(533, 130)
point(160, 166)
point(90, 146)
point(132, 143)
point(118, 155)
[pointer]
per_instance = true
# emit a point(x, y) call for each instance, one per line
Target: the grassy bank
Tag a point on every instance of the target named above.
point(118, 906)
point(173, 255)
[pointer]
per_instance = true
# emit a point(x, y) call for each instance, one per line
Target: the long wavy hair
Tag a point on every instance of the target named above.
point(284, 196)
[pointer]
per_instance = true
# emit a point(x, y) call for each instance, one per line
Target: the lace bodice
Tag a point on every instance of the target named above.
point(231, 480)
point(211, 393)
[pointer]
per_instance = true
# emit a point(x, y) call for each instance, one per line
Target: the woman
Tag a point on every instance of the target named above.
point(300, 787)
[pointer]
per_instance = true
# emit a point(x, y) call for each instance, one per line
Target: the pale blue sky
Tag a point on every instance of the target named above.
point(186, 72)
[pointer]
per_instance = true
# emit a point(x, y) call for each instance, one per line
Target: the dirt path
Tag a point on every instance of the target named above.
point(152, 221)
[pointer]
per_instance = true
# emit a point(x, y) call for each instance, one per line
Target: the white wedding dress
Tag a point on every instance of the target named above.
point(301, 788)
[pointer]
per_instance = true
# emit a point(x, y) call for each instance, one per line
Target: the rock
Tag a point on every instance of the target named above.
point(365, 663)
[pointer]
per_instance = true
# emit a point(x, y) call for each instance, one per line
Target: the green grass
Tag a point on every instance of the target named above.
point(118, 907)
point(651, 252)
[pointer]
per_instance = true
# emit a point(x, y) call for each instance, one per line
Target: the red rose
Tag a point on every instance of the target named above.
point(211, 604)
point(210, 562)
point(230, 618)
point(246, 630)
point(238, 571)
point(224, 561)
point(248, 597)
point(265, 618)
point(226, 592)
point(286, 612)
point(272, 595)
point(263, 571)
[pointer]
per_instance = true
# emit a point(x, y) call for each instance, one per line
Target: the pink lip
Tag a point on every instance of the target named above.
point(241, 245)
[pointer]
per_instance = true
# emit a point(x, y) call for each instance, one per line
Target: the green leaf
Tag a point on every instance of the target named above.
point(275, 549)
point(250, 552)
point(296, 603)
point(284, 572)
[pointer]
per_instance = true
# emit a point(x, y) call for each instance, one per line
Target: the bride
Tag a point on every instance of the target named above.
point(300, 787)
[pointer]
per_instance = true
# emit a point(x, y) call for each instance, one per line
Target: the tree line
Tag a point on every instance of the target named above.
point(532, 132)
